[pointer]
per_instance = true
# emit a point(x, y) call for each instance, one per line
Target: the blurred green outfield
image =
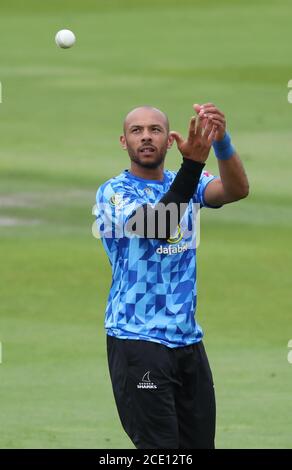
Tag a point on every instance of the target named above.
point(59, 126)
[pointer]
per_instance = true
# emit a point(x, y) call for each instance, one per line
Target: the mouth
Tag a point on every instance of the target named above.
point(147, 150)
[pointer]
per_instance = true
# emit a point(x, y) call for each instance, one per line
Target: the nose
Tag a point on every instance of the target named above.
point(146, 137)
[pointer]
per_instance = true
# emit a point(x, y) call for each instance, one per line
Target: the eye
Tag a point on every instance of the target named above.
point(135, 130)
point(156, 129)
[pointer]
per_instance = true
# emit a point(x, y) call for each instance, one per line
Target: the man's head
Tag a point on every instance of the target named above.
point(146, 136)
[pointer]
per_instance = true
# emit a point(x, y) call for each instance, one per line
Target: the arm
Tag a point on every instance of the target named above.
point(148, 221)
point(233, 183)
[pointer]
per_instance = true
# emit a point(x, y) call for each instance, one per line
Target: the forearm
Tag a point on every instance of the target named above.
point(233, 178)
point(234, 182)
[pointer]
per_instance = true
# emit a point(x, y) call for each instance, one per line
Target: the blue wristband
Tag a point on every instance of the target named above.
point(223, 148)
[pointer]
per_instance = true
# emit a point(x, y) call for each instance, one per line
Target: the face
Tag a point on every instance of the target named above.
point(146, 137)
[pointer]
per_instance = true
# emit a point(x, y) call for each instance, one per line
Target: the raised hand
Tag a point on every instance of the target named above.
point(199, 141)
point(210, 111)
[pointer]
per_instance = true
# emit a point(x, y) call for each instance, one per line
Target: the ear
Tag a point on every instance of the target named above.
point(123, 142)
point(170, 141)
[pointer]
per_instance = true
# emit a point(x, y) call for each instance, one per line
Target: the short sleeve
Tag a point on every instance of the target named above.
point(199, 197)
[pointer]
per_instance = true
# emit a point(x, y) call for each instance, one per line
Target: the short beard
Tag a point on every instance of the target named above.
point(150, 165)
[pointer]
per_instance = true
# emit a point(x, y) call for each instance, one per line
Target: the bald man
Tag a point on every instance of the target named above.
point(161, 378)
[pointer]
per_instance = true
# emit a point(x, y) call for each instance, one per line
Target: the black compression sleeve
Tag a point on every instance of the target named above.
point(152, 223)
point(185, 183)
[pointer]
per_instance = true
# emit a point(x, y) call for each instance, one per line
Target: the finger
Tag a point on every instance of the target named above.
point(218, 122)
point(199, 126)
point(211, 109)
point(212, 134)
point(177, 137)
point(215, 116)
point(208, 129)
point(197, 108)
point(204, 122)
point(192, 128)
point(212, 114)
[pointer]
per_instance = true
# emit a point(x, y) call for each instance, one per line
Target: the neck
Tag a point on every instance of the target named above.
point(147, 173)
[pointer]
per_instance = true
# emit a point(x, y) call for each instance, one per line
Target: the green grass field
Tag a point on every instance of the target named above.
point(61, 118)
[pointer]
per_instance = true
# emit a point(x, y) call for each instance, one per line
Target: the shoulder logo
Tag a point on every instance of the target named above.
point(147, 190)
point(117, 200)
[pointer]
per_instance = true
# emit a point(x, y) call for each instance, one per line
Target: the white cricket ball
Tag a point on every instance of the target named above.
point(65, 38)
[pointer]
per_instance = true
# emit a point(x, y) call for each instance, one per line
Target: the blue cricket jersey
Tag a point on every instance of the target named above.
point(153, 292)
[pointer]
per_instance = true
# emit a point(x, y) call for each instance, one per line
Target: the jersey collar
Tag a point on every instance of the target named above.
point(144, 180)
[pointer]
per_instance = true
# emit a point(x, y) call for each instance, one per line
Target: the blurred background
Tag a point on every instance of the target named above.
point(60, 120)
